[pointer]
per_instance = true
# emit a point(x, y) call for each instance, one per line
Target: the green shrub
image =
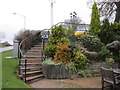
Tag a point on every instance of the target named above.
point(50, 61)
point(70, 33)
point(116, 29)
point(92, 43)
point(56, 34)
point(81, 61)
point(106, 35)
point(22, 35)
point(84, 73)
point(65, 40)
point(109, 32)
point(50, 50)
point(109, 61)
point(71, 67)
point(104, 52)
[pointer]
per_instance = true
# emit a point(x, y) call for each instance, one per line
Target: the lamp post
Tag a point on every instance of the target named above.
point(24, 19)
point(52, 1)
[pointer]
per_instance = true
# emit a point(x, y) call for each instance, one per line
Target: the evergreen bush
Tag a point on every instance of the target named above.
point(50, 50)
point(80, 60)
point(116, 29)
point(106, 35)
point(104, 52)
point(92, 43)
point(57, 35)
point(95, 20)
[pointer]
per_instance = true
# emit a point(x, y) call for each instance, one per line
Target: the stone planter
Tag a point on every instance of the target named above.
point(55, 71)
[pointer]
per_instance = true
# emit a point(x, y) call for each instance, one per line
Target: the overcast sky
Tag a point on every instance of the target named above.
point(37, 14)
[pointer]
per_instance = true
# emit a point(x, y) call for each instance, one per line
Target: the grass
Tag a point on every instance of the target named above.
point(9, 72)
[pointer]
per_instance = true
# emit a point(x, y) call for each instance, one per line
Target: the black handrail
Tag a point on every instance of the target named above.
point(68, 23)
point(22, 56)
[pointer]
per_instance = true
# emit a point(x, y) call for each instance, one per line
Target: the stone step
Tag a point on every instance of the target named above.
point(33, 56)
point(38, 50)
point(33, 77)
point(39, 43)
point(31, 68)
point(38, 46)
point(32, 53)
point(31, 63)
point(33, 72)
point(32, 60)
point(34, 64)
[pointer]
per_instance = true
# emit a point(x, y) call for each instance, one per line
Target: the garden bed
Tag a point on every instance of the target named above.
point(55, 71)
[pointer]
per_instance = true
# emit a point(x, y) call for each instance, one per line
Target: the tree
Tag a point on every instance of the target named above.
point(95, 20)
point(74, 20)
point(110, 9)
point(106, 34)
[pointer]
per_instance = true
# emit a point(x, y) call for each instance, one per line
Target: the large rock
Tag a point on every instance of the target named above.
point(115, 45)
point(92, 55)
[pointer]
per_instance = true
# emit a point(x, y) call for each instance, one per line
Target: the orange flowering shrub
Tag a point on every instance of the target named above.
point(63, 53)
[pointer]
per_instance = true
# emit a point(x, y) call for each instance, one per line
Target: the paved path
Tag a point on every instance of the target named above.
point(6, 48)
point(67, 83)
point(87, 82)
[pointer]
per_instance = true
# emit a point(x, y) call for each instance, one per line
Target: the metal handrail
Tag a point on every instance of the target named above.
point(21, 55)
point(67, 23)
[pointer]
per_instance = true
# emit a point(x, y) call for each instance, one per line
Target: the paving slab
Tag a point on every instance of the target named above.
point(68, 83)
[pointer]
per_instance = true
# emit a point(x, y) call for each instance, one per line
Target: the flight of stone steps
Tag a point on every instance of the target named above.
point(33, 64)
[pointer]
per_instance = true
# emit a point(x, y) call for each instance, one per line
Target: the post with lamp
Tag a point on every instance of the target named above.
point(24, 29)
point(24, 19)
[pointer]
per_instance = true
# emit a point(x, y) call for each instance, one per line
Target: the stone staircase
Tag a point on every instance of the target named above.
point(33, 64)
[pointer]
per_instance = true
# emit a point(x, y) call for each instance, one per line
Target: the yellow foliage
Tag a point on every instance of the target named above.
point(63, 53)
